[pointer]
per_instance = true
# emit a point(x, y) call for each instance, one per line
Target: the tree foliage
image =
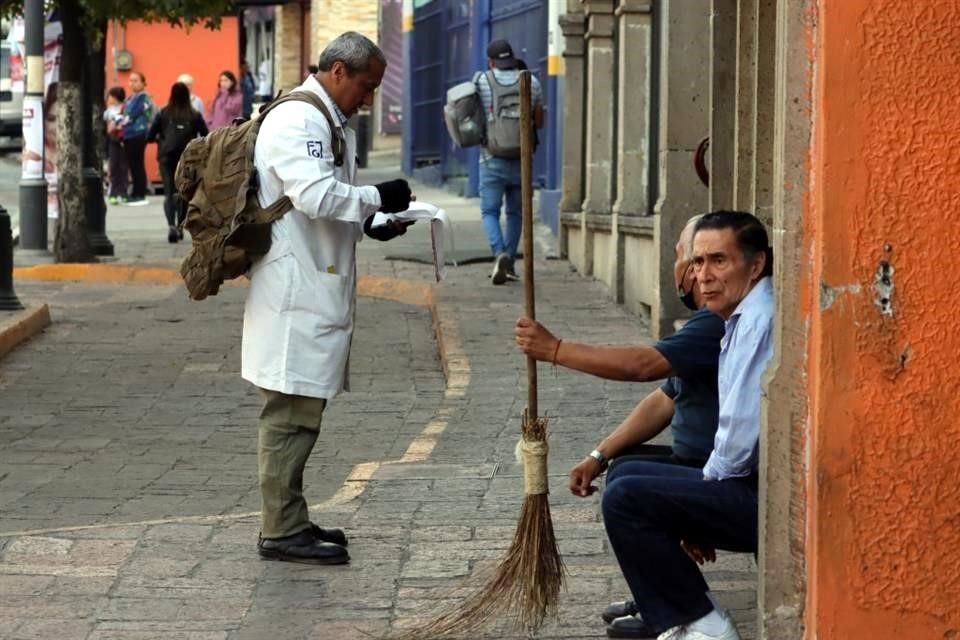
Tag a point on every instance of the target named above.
point(175, 12)
point(84, 27)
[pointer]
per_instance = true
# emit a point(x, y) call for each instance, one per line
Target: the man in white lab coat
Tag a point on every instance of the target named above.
point(298, 318)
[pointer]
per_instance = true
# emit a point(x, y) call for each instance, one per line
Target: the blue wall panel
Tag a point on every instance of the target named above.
point(427, 82)
point(447, 46)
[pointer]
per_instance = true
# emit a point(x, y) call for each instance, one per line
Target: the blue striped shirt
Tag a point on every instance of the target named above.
point(745, 349)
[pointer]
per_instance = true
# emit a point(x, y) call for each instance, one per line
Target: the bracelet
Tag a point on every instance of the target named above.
point(556, 350)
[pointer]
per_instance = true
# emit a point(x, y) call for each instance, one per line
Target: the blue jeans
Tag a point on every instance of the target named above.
point(499, 179)
point(648, 508)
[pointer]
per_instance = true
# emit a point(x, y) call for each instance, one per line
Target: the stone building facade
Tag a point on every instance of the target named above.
point(304, 28)
point(629, 182)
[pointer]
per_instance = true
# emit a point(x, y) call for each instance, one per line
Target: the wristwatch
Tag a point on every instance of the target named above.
point(599, 457)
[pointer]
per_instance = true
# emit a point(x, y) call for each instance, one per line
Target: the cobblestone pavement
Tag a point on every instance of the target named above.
point(128, 473)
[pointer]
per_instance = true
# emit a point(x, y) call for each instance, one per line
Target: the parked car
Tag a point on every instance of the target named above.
point(11, 102)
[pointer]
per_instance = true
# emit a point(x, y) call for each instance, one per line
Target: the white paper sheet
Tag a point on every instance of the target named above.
point(439, 226)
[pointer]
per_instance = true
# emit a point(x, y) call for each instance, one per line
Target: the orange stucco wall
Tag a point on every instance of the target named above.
point(884, 378)
point(163, 52)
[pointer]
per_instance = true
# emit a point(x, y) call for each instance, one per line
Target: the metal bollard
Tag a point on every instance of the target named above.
point(8, 299)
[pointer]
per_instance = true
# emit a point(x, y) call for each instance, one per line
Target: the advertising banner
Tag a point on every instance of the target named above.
point(39, 116)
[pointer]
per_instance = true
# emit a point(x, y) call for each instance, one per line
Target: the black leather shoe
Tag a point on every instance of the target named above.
point(631, 627)
point(336, 536)
point(302, 547)
point(618, 609)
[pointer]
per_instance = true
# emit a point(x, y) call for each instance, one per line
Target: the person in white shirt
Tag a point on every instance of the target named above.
point(195, 101)
point(299, 313)
point(662, 520)
point(265, 77)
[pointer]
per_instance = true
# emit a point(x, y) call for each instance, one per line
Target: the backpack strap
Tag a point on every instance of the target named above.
point(339, 142)
point(493, 84)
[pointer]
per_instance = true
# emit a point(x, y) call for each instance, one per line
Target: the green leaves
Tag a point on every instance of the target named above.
point(205, 13)
point(175, 12)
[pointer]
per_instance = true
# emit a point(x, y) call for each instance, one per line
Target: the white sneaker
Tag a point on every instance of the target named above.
point(729, 632)
point(137, 203)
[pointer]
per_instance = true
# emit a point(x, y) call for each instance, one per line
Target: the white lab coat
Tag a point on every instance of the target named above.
point(298, 317)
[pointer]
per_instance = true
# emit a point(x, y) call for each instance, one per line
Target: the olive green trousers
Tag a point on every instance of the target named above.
point(288, 429)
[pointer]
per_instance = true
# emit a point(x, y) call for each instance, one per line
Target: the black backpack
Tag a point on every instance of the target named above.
point(175, 135)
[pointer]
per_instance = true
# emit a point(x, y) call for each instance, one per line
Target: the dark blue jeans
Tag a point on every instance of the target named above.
point(648, 508)
point(651, 453)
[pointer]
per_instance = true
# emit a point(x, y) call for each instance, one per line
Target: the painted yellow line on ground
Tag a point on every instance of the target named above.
point(101, 273)
point(404, 291)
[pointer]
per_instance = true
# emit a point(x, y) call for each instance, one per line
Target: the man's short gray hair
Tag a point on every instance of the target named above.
point(354, 50)
point(686, 236)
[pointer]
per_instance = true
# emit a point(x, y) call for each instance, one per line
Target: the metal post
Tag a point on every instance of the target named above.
point(33, 185)
point(8, 299)
point(92, 178)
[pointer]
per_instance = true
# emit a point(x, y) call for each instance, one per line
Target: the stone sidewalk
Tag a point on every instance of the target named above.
point(128, 472)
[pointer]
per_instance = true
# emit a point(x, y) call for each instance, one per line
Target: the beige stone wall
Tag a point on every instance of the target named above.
point(325, 21)
point(286, 62)
point(616, 232)
point(329, 19)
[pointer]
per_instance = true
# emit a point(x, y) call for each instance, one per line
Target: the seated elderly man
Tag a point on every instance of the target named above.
point(659, 517)
point(686, 402)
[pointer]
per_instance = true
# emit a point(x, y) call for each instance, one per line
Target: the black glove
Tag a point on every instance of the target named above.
point(394, 196)
point(385, 232)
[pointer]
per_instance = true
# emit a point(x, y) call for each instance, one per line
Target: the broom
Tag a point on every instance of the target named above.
point(525, 586)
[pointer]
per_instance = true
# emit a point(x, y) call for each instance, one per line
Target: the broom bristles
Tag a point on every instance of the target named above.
point(525, 586)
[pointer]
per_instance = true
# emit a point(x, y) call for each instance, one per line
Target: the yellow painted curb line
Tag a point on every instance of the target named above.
point(405, 291)
point(23, 326)
point(420, 294)
point(103, 273)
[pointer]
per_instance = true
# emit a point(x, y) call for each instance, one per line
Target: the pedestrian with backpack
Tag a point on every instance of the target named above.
point(138, 112)
point(177, 124)
point(298, 319)
point(499, 89)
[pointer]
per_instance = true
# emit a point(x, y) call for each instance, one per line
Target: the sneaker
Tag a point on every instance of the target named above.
point(138, 203)
point(511, 274)
point(499, 275)
point(173, 235)
point(728, 632)
point(114, 200)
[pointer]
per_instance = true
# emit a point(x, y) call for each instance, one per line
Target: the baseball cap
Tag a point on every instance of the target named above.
point(501, 53)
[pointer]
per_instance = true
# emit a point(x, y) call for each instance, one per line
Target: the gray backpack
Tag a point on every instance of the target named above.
point(503, 123)
point(463, 114)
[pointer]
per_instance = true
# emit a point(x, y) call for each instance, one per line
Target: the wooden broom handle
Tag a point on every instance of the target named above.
point(526, 184)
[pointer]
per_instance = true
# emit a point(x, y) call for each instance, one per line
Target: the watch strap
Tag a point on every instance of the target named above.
point(599, 457)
